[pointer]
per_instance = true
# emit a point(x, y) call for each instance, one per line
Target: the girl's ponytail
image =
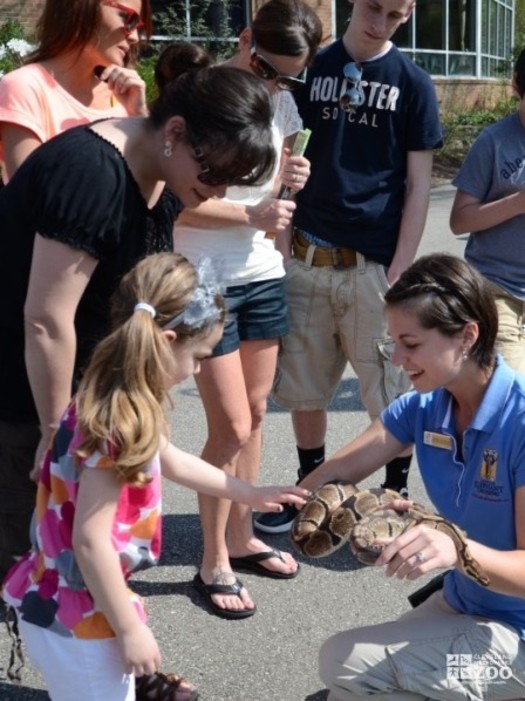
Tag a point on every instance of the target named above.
point(121, 396)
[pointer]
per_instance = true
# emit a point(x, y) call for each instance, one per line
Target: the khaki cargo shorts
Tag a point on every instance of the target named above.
point(336, 316)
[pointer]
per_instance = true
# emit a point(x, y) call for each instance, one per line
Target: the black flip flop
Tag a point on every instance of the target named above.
point(251, 563)
point(206, 590)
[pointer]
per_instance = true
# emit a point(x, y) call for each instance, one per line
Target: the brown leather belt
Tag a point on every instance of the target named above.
point(338, 257)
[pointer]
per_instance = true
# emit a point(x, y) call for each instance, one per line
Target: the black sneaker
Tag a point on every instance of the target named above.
point(276, 522)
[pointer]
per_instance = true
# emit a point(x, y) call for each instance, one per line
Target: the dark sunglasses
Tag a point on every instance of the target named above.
point(264, 69)
point(207, 176)
point(353, 96)
point(132, 20)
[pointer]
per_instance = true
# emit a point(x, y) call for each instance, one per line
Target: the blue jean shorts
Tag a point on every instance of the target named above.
point(256, 311)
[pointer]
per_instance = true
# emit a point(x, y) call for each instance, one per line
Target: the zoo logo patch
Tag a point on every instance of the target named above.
point(489, 466)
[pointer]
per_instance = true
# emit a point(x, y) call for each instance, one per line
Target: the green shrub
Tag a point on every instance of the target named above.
point(463, 127)
point(14, 45)
point(146, 70)
point(220, 41)
point(172, 24)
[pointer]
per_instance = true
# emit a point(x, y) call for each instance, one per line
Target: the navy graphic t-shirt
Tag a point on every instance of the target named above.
point(354, 196)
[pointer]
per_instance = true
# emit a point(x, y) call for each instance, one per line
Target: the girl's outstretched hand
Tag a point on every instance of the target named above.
point(272, 498)
point(139, 650)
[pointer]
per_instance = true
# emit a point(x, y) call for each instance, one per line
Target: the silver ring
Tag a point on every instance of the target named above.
point(420, 557)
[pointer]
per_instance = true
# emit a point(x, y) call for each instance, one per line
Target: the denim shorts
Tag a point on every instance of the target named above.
point(256, 311)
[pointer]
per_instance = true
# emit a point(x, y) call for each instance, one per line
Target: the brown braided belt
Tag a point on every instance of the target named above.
point(338, 257)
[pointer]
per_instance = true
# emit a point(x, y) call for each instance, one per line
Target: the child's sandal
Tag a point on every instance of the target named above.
point(164, 687)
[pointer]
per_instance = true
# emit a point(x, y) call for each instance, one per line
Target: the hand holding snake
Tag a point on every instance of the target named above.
point(417, 551)
point(378, 523)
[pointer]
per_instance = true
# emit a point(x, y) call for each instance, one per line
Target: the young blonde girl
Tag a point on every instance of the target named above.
point(98, 505)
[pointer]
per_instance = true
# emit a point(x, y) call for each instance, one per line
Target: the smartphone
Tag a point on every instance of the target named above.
point(298, 149)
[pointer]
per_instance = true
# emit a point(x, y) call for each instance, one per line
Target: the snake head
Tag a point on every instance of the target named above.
point(381, 523)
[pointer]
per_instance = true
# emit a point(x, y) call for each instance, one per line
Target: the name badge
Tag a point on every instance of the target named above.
point(437, 440)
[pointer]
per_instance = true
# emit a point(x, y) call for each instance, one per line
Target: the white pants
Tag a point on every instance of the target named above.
point(79, 670)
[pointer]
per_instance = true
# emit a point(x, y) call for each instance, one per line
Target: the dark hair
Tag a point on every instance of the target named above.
point(228, 113)
point(445, 293)
point(287, 28)
point(66, 25)
point(178, 58)
point(519, 73)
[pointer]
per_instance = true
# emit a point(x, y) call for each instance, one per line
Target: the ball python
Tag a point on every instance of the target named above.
point(339, 513)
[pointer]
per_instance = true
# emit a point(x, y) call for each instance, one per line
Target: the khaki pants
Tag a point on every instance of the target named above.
point(431, 652)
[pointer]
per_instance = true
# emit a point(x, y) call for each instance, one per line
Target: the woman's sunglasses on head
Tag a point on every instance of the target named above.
point(264, 69)
point(131, 19)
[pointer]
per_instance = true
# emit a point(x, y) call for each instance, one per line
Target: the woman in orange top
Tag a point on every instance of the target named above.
point(58, 88)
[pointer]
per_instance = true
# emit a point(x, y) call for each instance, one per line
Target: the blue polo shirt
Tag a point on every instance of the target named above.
point(475, 489)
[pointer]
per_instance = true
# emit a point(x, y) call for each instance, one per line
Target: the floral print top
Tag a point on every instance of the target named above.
point(46, 586)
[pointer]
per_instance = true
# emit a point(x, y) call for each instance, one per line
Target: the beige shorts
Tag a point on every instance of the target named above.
point(431, 652)
point(336, 316)
point(510, 341)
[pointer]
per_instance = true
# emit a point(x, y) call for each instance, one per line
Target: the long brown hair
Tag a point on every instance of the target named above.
point(68, 25)
point(121, 395)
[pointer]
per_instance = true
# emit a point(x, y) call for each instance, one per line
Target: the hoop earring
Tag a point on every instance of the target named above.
point(168, 148)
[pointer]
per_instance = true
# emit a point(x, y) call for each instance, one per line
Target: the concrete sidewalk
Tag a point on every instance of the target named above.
point(273, 655)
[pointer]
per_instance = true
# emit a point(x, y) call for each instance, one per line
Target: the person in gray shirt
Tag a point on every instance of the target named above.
point(490, 205)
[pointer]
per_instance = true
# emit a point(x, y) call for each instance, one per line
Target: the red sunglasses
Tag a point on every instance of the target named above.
point(131, 19)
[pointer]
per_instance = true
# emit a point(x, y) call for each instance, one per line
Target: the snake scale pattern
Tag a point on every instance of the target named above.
point(339, 513)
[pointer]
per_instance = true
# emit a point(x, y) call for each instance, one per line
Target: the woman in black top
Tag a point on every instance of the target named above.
point(77, 215)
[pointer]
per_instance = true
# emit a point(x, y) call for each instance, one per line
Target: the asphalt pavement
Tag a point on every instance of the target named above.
point(273, 655)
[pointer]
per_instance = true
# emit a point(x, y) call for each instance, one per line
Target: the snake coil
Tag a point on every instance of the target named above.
point(339, 513)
